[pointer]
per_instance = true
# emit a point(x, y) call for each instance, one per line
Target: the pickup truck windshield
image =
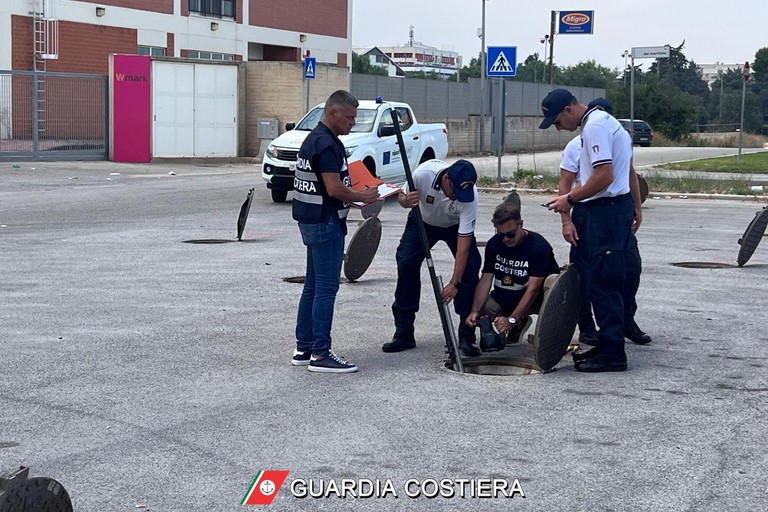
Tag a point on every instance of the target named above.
point(363, 122)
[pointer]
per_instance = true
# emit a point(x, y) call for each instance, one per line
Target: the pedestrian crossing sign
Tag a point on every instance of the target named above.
point(310, 65)
point(502, 61)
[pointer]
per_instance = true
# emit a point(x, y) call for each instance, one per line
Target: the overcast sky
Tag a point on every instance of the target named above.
point(714, 31)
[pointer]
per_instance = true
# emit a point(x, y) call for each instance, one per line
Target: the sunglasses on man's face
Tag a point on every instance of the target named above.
point(509, 234)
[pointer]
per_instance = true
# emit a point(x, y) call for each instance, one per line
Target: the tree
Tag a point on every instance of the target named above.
point(760, 84)
point(362, 64)
point(588, 74)
point(472, 70)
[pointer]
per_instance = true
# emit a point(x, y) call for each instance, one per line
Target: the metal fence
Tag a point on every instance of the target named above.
point(438, 100)
point(53, 116)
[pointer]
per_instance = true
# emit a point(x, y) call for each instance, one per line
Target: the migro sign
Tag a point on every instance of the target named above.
point(576, 22)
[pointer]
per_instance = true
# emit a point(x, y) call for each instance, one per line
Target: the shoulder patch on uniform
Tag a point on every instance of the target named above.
point(430, 199)
point(596, 149)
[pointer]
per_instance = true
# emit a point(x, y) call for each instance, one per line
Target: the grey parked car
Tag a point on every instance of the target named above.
point(641, 132)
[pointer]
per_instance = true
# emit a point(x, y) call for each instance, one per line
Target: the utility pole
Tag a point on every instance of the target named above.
point(552, 24)
point(482, 81)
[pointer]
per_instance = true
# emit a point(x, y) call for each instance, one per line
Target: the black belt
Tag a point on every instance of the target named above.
point(604, 200)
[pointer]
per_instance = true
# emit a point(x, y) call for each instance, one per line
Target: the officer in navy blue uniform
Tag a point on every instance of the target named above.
point(517, 264)
point(604, 169)
point(321, 200)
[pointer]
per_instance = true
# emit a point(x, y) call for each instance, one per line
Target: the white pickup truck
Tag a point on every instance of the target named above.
point(372, 141)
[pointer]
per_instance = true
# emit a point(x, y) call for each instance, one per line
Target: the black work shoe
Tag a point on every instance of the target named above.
point(633, 333)
point(398, 345)
point(583, 355)
point(602, 363)
point(469, 349)
point(490, 340)
point(589, 338)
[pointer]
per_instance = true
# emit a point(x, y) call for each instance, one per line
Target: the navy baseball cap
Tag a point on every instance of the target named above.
point(554, 103)
point(463, 177)
point(602, 103)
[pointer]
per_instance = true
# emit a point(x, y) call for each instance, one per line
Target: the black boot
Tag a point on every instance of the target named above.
point(467, 339)
point(633, 333)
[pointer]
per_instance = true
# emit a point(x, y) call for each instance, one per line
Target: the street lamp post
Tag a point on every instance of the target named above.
point(544, 40)
point(482, 81)
point(625, 55)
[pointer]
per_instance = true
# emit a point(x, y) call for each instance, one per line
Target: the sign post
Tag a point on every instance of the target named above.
point(502, 62)
point(642, 52)
point(743, 103)
point(310, 66)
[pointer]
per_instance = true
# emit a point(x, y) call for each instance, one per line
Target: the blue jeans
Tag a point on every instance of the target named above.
point(410, 256)
point(325, 253)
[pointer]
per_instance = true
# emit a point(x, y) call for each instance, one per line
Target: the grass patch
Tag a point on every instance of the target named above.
point(523, 178)
point(698, 185)
point(752, 163)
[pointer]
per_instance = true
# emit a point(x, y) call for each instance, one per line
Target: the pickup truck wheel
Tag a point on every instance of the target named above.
point(428, 155)
point(371, 166)
point(279, 195)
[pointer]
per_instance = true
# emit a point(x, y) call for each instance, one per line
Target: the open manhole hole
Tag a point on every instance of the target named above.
point(502, 366)
point(552, 338)
point(209, 241)
point(702, 264)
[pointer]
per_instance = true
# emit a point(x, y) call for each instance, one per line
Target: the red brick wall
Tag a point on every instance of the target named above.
point(341, 59)
point(326, 17)
point(83, 48)
point(281, 53)
point(164, 6)
point(169, 45)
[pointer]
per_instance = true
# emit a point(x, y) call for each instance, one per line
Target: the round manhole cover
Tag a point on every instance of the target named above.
point(362, 248)
point(751, 237)
point(702, 264)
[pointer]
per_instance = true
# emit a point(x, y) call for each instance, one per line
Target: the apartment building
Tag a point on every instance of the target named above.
point(78, 35)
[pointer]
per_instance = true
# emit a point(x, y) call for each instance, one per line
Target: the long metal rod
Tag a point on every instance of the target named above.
point(450, 337)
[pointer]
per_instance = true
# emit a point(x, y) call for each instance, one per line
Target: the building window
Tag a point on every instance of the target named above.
point(153, 51)
point(194, 54)
point(215, 8)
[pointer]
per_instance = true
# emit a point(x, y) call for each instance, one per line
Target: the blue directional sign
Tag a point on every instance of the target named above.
point(310, 66)
point(576, 22)
point(502, 61)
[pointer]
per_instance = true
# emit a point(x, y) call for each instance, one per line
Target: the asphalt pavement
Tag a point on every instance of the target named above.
point(145, 372)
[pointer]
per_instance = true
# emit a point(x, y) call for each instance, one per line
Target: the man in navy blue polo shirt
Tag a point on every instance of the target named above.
point(321, 200)
point(604, 194)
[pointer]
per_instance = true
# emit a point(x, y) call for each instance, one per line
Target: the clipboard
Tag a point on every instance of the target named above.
point(361, 179)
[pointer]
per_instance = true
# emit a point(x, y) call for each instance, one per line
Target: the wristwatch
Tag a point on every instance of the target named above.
point(512, 320)
point(456, 284)
point(570, 200)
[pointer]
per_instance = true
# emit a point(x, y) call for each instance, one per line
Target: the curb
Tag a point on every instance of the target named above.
point(651, 195)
